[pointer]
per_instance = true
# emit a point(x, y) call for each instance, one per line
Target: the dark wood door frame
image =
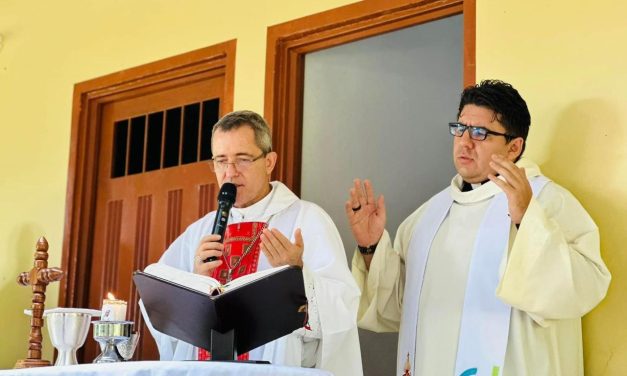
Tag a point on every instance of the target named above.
point(89, 97)
point(288, 43)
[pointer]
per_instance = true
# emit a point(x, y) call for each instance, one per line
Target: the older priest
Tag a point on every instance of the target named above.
point(288, 231)
point(492, 275)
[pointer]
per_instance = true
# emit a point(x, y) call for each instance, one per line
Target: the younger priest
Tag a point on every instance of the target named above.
point(281, 230)
point(492, 275)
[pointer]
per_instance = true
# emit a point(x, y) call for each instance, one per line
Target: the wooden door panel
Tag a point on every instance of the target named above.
point(118, 218)
point(139, 215)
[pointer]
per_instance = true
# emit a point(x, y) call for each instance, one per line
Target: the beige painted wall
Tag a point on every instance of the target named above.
point(565, 57)
point(568, 60)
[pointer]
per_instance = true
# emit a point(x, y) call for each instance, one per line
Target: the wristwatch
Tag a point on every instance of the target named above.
point(367, 250)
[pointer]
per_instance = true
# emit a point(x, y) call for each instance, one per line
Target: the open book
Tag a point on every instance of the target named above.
point(205, 284)
point(255, 309)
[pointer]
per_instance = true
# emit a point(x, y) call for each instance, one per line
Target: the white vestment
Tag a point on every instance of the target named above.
point(332, 343)
point(551, 274)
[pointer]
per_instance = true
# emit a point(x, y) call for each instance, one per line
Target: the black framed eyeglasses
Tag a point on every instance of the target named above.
point(240, 163)
point(476, 133)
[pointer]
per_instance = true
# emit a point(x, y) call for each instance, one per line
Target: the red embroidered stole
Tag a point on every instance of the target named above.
point(241, 257)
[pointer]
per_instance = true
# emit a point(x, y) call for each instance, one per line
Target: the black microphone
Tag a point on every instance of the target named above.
point(226, 199)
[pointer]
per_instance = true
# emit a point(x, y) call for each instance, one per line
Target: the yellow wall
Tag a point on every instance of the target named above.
point(566, 58)
point(48, 46)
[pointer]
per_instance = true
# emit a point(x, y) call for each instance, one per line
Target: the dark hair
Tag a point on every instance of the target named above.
point(508, 106)
point(236, 119)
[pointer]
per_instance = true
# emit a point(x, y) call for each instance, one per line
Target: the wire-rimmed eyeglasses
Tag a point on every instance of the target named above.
point(221, 164)
point(476, 133)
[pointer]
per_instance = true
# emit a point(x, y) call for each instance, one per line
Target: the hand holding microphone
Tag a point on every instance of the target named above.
point(208, 255)
point(210, 248)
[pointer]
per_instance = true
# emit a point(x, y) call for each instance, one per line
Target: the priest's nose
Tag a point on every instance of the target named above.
point(231, 171)
point(465, 140)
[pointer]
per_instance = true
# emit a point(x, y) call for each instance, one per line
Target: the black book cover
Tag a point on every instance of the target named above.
point(259, 311)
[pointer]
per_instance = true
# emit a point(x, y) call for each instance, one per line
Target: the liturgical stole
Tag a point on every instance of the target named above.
point(240, 257)
point(485, 319)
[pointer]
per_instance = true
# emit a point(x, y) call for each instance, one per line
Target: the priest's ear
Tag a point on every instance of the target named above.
point(270, 161)
point(515, 148)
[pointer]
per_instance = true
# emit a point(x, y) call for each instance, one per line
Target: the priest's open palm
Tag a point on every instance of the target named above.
point(365, 215)
point(279, 250)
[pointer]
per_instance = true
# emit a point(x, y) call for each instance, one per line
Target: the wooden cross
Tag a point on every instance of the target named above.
point(38, 278)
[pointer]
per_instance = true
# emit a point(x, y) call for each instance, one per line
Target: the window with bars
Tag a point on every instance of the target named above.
point(168, 138)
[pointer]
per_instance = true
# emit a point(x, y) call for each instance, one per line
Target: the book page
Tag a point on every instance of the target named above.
point(204, 284)
point(252, 277)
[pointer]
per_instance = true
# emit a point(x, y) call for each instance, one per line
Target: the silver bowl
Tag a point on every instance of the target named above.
point(111, 334)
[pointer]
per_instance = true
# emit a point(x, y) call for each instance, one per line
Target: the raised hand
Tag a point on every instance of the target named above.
point(516, 186)
point(279, 250)
point(209, 246)
point(365, 216)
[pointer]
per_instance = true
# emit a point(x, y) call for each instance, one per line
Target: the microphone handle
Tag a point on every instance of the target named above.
point(219, 225)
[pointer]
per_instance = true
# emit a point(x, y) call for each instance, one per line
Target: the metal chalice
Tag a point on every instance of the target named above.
point(68, 329)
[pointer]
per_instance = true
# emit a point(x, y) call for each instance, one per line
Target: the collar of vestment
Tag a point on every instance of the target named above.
point(279, 198)
point(489, 189)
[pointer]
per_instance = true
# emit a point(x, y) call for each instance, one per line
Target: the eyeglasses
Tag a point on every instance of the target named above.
point(240, 164)
point(476, 133)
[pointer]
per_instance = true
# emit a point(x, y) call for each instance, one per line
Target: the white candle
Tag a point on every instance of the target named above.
point(113, 309)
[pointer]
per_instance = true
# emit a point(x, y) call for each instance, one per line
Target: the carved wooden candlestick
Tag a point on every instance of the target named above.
point(38, 278)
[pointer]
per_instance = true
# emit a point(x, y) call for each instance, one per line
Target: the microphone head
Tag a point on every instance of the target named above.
point(227, 193)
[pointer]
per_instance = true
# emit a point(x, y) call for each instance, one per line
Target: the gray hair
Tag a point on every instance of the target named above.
point(236, 119)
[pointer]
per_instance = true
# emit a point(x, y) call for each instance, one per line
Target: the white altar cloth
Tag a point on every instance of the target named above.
point(163, 368)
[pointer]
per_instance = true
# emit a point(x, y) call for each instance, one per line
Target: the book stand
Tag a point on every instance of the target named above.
point(223, 345)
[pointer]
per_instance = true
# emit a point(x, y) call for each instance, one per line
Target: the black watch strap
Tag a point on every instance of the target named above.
point(367, 250)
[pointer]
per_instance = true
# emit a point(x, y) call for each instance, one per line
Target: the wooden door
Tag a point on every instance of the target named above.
point(139, 213)
point(151, 179)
